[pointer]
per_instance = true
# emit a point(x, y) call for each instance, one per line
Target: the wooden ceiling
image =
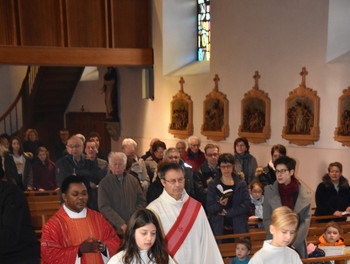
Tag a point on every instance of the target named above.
point(76, 32)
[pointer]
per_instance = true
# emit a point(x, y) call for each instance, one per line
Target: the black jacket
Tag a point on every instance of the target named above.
point(17, 238)
point(328, 200)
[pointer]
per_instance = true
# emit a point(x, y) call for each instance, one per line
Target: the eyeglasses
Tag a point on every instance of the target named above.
point(173, 157)
point(173, 181)
point(226, 167)
point(194, 145)
point(283, 171)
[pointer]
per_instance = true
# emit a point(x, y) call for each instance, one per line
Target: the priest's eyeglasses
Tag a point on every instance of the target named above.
point(173, 181)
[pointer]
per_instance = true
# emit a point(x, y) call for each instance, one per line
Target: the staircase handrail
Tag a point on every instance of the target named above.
point(21, 94)
point(13, 105)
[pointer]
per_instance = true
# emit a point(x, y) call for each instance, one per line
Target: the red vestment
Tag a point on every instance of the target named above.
point(62, 235)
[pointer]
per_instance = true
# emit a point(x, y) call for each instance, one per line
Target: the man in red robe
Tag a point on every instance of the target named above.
point(77, 234)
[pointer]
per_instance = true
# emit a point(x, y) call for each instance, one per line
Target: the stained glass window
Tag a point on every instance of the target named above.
point(203, 35)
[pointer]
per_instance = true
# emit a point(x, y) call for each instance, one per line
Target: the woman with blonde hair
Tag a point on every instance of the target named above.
point(31, 141)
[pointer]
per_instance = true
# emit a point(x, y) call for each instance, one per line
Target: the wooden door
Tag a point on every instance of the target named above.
point(84, 123)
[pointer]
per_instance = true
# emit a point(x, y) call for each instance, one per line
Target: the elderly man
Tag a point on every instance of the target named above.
point(193, 156)
point(138, 166)
point(184, 222)
point(75, 163)
point(76, 234)
point(173, 155)
point(119, 193)
point(181, 146)
point(207, 172)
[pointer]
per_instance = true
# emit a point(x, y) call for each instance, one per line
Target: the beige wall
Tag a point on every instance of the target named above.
point(275, 37)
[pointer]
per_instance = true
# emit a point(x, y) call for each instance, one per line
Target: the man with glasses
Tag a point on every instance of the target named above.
point(193, 156)
point(76, 163)
point(287, 190)
point(207, 172)
point(184, 222)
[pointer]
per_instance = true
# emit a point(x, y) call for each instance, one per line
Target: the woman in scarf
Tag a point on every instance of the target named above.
point(245, 164)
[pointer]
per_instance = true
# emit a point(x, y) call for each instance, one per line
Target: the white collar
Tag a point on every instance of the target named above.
point(72, 214)
point(184, 197)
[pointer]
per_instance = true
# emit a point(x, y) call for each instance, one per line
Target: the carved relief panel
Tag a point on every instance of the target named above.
point(302, 115)
point(255, 114)
point(181, 114)
point(215, 114)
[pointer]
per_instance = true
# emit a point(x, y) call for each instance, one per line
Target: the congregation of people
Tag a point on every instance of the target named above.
point(166, 206)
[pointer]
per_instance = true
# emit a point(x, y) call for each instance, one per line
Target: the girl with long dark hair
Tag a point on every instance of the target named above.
point(143, 242)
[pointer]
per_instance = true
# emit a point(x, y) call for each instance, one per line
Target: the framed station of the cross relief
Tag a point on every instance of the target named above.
point(302, 115)
point(255, 114)
point(181, 114)
point(342, 131)
point(215, 114)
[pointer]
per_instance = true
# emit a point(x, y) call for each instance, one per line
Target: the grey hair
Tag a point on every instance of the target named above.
point(114, 155)
point(129, 141)
point(193, 137)
point(169, 150)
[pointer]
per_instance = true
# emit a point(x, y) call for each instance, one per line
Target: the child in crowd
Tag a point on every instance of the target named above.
point(243, 248)
point(257, 200)
point(283, 227)
point(44, 171)
point(143, 241)
point(332, 235)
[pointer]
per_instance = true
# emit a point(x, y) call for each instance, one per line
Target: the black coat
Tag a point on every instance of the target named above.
point(201, 178)
point(18, 241)
point(268, 176)
point(12, 175)
point(239, 211)
point(328, 200)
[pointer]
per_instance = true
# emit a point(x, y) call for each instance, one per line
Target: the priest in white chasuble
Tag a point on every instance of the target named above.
point(183, 220)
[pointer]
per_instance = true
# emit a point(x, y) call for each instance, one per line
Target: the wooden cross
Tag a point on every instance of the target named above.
point(303, 74)
point(216, 81)
point(256, 77)
point(182, 81)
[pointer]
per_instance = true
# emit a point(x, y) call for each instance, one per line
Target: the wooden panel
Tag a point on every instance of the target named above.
point(75, 56)
point(86, 23)
point(40, 22)
point(85, 123)
point(7, 23)
point(131, 22)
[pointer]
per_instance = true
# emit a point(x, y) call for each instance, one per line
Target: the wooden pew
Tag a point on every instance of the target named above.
point(258, 236)
point(329, 258)
point(42, 205)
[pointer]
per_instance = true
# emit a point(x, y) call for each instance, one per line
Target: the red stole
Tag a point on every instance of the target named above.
point(182, 226)
point(81, 229)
